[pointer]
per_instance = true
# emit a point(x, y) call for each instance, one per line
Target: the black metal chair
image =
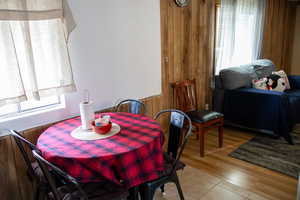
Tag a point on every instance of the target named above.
point(135, 106)
point(19, 139)
point(33, 170)
point(74, 190)
point(179, 131)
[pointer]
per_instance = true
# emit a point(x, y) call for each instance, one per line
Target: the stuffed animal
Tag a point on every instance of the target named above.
point(276, 83)
point(260, 84)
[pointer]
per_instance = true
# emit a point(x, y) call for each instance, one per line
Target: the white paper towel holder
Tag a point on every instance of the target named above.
point(86, 111)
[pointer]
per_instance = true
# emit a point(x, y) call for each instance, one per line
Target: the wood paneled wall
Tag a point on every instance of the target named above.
point(279, 33)
point(187, 53)
point(187, 46)
point(9, 187)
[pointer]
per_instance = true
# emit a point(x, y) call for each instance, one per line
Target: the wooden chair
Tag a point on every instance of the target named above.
point(135, 106)
point(172, 156)
point(73, 190)
point(185, 99)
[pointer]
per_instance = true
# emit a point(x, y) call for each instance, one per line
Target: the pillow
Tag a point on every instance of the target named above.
point(237, 77)
point(260, 84)
point(273, 82)
point(283, 75)
point(263, 68)
point(276, 83)
point(262, 71)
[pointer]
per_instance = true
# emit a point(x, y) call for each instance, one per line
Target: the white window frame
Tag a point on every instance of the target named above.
point(22, 113)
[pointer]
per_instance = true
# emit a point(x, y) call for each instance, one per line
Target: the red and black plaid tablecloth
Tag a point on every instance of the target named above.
point(134, 155)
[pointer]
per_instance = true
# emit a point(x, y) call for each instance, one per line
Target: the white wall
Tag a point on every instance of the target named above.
point(296, 49)
point(115, 53)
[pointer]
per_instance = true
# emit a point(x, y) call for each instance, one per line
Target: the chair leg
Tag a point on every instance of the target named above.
point(162, 188)
point(197, 130)
point(43, 194)
point(289, 139)
point(146, 193)
point(178, 187)
point(201, 134)
point(221, 133)
point(37, 194)
point(133, 193)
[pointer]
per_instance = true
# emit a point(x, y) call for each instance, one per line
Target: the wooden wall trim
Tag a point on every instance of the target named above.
point(188, 47)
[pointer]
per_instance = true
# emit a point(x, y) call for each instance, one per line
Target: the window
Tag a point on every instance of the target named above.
point(35, 64)
point(12, 110)
point(239, 28)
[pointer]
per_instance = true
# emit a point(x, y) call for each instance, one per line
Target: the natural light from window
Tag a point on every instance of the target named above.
point(46, 66)
point(13, 110)
point(239, 29)
point(242, 47)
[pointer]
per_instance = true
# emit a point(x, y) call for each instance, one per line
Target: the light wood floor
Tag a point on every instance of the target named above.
point(222, 177)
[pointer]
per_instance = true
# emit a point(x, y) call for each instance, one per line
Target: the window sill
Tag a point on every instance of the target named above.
point(33, 112)
point(12, 122)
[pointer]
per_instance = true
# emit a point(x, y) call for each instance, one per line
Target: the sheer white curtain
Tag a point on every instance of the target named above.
point(239, 32)
point(34, 58)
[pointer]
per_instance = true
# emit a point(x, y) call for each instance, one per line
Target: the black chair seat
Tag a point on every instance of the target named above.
point(94, 191)
point(201, 116)
point(168, 165)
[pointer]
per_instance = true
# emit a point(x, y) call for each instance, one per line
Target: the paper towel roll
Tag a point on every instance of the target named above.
point(87, 115)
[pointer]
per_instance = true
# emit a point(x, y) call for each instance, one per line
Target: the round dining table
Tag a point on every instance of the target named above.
point(131, 157)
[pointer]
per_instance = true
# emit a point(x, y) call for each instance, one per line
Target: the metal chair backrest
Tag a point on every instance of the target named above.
point(134, 107)
point(46, 166)
point(181, 121)
point(185, 97)
point(20, 140)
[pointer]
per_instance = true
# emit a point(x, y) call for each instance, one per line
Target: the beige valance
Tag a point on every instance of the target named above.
point(30, 10)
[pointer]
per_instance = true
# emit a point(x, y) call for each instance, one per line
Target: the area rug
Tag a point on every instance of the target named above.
point(274, 154)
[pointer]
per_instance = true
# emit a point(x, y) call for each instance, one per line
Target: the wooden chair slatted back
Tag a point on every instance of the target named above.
point(185, 95)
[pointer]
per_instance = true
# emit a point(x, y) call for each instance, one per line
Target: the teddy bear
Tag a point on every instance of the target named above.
point(275, 83)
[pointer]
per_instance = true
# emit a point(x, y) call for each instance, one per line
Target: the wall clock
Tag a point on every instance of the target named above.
point(182, 3)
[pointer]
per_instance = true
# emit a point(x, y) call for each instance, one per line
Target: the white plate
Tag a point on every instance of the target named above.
point(81, 134)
